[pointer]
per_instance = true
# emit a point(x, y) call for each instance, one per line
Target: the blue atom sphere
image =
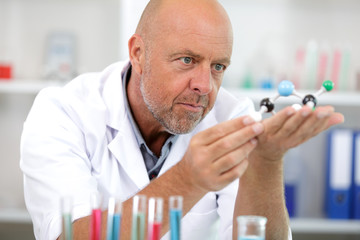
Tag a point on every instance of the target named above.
point(285, 88)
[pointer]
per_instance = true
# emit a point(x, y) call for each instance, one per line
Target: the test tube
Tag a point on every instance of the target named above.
point(138, 220)
point(175, 205)
point(114, 219)
point(155, 214)
point(95, 227)
point(66, 208)
point(117, 220)
point(251, 227)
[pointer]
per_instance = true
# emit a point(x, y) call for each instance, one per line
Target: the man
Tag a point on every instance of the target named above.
point(163, 117)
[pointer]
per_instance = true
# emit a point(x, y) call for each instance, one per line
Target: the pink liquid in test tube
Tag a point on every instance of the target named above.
point(95, 225)
point(336, 68)
point(155, 231)
point(155, 218)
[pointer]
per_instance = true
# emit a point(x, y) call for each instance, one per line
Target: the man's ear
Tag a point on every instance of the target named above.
point(136, 53)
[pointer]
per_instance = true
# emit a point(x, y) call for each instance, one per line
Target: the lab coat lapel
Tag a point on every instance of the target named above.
point(126, 150)
point(123, 146)
point(177, 152)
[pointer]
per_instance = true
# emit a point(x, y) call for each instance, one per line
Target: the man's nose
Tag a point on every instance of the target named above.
point(201, 81)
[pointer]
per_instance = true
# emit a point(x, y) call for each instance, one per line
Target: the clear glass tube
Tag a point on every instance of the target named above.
point(175, 212)
point(138, 220)
point(251, 227)
point(155, 215)
point(114, 219)
point(95, 227)
point(66, 208)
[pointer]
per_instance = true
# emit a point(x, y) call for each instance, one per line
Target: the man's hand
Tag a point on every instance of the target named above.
point(217, 156)
point(288, 129)
point(261, 188)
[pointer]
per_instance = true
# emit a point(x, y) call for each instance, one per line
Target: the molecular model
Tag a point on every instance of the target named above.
point(285, 89)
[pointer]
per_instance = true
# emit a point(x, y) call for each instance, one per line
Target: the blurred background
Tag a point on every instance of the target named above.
point(48, 42)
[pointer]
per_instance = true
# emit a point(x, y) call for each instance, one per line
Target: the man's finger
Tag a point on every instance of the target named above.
point(276, 122)
point(233, 158)
point(223, 129)
point(234, 140)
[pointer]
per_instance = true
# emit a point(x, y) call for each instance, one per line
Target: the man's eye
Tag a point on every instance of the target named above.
point(186, 60)
point(219, 67)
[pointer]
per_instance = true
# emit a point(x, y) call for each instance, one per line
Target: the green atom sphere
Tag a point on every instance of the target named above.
point(328, 85)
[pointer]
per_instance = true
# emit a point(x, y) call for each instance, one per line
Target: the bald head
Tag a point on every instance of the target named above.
point(162, 16)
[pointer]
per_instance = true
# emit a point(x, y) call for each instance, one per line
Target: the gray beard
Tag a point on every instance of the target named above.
point(172, 123)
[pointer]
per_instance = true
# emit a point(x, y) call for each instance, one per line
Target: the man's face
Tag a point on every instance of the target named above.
point(183, 71)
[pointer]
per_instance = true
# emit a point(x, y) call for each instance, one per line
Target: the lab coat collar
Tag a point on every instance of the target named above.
point(113, 96)
point(124, 139)
point(176, 153)
point(125, 149)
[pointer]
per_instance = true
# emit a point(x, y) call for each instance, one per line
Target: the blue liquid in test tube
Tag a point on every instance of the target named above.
point(175, 212)
point(116, 226)
point(175, 221)
point(114, 219)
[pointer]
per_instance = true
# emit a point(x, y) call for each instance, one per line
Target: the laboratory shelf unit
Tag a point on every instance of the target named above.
point(335, 98)
point(13, 215)
point(321, 225)
point(26, 86)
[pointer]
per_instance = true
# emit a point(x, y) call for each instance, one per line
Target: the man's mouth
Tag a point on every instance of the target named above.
point(193, 107)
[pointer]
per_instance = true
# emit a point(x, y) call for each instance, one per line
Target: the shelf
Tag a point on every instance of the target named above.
point(298, 225)
point(13, 215)
point(331, 98)
point(310, 225)
point(26, 86)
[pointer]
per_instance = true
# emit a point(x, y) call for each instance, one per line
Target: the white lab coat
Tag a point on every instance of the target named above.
point(77, 140)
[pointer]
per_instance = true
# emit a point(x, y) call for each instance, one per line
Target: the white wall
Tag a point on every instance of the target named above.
point(130, 13)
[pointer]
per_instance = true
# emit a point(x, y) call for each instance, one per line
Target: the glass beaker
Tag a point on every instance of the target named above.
point(251, 227)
